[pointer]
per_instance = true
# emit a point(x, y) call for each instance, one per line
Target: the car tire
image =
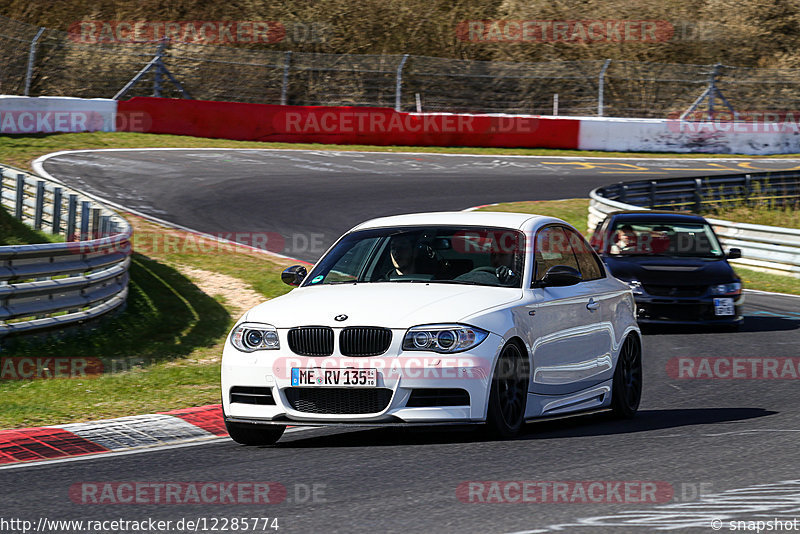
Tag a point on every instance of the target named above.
point(248, 434)
point(509, 393)
point(626, 388)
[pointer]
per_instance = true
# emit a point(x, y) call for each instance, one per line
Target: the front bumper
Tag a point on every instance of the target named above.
point(399, 373)
point(686, 311)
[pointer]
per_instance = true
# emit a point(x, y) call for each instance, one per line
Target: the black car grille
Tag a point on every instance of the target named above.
point(364, 341)
point(338, 400)
point(437, 397)
point(680, 312)
point(252, 395)
point(311, 340)
point(675, 291)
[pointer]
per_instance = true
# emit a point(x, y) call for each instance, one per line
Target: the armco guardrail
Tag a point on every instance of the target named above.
point(54, 285)
point(768, 248)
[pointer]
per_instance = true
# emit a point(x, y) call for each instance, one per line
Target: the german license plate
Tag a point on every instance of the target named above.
point(348, 378)
point(723, 307)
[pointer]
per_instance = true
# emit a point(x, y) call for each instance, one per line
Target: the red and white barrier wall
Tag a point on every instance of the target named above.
point(384, 126)
point(56, 114)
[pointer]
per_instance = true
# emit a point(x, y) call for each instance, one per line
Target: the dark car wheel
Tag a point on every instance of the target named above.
point(509, 393)
point(247, 434)
point(626, 389)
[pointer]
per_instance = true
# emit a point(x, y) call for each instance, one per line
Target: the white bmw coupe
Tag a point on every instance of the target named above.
point(437, 318)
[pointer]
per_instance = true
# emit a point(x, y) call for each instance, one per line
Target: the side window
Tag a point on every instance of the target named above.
point(589, 263)
point(552, 248)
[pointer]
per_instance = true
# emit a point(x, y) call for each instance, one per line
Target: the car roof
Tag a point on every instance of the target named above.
point(654, 216)
point(465, 218)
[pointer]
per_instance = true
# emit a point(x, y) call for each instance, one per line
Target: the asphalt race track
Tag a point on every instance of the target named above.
point(733, 440)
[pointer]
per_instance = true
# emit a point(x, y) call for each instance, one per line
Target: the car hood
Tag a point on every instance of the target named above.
point(671, 271)
point(391, 305)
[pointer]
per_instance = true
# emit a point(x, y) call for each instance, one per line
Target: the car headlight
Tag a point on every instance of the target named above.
point(727, 289)
point(443, 338)
point(636, 287)
point(250, 337)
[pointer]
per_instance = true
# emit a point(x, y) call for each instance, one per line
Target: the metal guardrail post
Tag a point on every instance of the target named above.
point(31, 60)
point(653, 185)
point(57, 194)
point(95, 228)
point(748, 187)
point(84, 220)
point(20, 196)
point(398, 88)
point(287, 62)
point(72, 214)
point(39, 209)
point(698, 194)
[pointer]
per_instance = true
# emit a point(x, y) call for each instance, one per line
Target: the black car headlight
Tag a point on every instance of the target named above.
point(636, 287)
point(445, 338)
point(733, 288)
point(250, 337)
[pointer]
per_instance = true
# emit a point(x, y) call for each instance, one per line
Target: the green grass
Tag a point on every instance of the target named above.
point(574, 211)
point(20, 150)
point(787, 217)
point(14, 232)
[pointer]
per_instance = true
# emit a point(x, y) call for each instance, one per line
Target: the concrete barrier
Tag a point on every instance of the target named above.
point(53, 114)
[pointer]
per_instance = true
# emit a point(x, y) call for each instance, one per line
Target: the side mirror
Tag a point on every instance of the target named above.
point(560, 276)
point(734, 253)
point(294, 275)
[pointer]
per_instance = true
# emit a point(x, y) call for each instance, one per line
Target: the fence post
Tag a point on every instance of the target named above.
point(399, 83)
point(20, 196)
point(72, 214)
point(601, 81)
point(39, 210)
point(159, 68)
point(57, 194)
point(287, 61)
point(31, 60)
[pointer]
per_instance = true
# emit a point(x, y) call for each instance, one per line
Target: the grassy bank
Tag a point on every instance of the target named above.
point(163, 351)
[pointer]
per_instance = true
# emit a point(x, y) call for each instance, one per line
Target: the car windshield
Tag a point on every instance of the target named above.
point(650, 238)
point(442, 254)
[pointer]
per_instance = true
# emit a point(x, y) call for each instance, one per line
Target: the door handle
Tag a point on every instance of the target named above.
point(592, 305)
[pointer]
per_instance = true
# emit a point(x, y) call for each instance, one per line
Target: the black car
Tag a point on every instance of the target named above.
point(675, 266)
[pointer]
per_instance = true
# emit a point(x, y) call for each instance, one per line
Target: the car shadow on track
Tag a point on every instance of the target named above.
point(750, 324)
point(595, 424)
